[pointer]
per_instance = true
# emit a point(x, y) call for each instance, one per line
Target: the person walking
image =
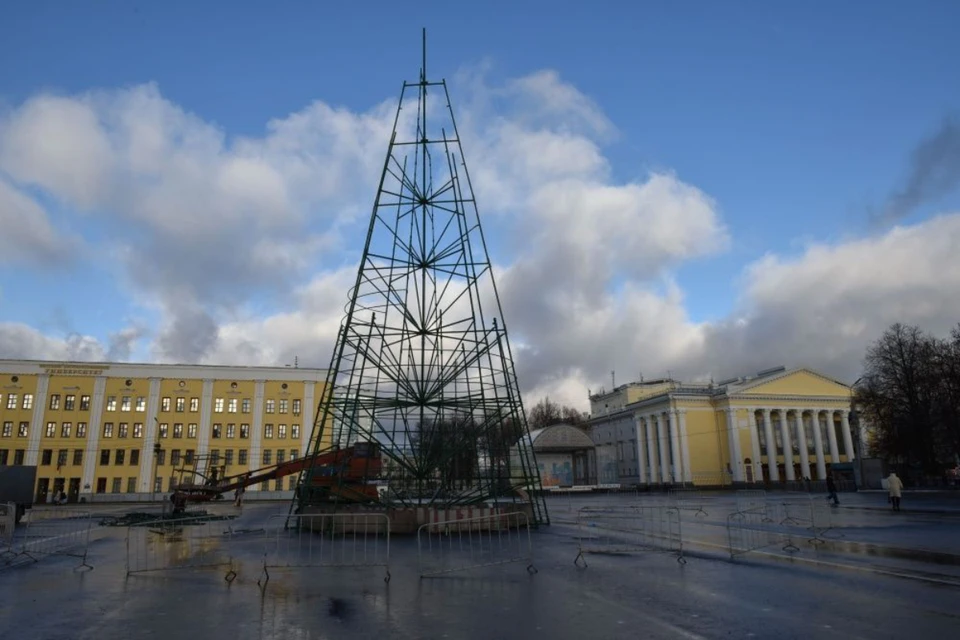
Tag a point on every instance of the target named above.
point(832, 491)
point(895, 487)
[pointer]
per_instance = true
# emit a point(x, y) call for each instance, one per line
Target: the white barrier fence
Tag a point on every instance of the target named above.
point(778, 521)
point(469, 543)
point(752, 530)
point(751, 500)
point(687, 500)
point(326, 540)
point(178, 545)
point(43, 533)
point(635, 529)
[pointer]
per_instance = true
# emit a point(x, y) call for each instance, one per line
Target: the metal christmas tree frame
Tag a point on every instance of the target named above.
point(422, 363)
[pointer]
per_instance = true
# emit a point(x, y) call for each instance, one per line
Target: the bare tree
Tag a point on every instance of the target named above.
point(546, 413)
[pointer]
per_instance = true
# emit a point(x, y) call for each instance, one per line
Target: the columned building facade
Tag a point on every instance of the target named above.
point(775, 426)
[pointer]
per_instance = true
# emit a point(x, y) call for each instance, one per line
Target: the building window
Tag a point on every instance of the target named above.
point(134, 457)
point(296, 407)
point(161, 457)
point(164, 404)
point(81, 429)
point(283, 406)
point(84, 403)
point(123, 430)
point(105, 457)
point(11, 401)
point(181, 404)
point(131, 485)
point(178, 430)
point(141, 403)
point(175, 457)
point(18, 456)
point(188, 457)
point(69, 402)
point(215, 457)
point(119, 456)
point(51, 429)
point(268, 431)
point(101, 485)
point(228, 457)
point(115, 488)
point(271, 405)
point(232, 405)
point(291, 483)
point(111, 403)
point(7, 429)
point(280, 455)
point(158, 484)
point(23, 430)
point(231, 430)
point(244, 431)
point(293, 454)
point(245, 405)
point(278, 484)
point(242, 457)
point(281, 431)
point(194, 405)
point(192, 430)
point(218, 405)
point(28, 401)
point(137, 429)
point(107, 429)
point(54, 401)
point(61, 458)
point(77, 457)
point(46, 456)
point(65, 429)
point(267, 457)
point(163, 429)
point(125, 403)
point(295, 431)
point(216, 431)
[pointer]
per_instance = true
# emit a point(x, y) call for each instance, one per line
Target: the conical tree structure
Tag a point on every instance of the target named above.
point(422, 363)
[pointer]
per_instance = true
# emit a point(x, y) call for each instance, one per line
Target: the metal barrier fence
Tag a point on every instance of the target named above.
point(182, 544)
point(751, 500)
point(8, 520)
point(469, 543)
point(326, 540)
point(687, 500)
point(61, 531)
point(752, 530)
point(812, 513)
point(629, 530)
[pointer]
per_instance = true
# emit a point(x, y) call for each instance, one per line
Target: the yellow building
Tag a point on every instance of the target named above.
point(91, 428)
point(776, 426)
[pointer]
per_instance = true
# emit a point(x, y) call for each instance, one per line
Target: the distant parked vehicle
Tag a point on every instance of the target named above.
point(16, 486)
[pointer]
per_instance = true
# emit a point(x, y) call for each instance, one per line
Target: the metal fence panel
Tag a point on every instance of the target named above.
point(756, 529)
point(326, 540)
point(8, 520)
point(43, 533)
point(468, 543)
point(687, 500)
point(629, 530)
point(751, 500)
point(177, 545)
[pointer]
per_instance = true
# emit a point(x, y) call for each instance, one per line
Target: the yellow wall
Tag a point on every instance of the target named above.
point(25, 384)
point(705, 447)
point(800, 383)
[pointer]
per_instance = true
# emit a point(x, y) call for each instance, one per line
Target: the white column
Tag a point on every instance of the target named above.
point(255, 460)
point(832, 439)
point(651, 429)
point(755, 447)
point(802, 443)
point(685, 446)
point(847, 438)
point(37, 426)
point(733, 439)
point(90, 457)
point(641, 462)
point(675, 446)
point(662, 447)
point(307, 417)
point(771, 446)
point(206, 413)
point(818, 444)
point(787, 449)
point(147, 470)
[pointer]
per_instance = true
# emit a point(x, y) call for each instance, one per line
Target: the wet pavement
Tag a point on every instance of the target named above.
point(643, 595)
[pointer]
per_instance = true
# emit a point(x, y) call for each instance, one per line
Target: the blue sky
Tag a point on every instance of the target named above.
point(794, 118)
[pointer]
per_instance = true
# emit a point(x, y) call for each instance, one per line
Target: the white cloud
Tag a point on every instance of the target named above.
point(213, 229)
point(26, 234)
